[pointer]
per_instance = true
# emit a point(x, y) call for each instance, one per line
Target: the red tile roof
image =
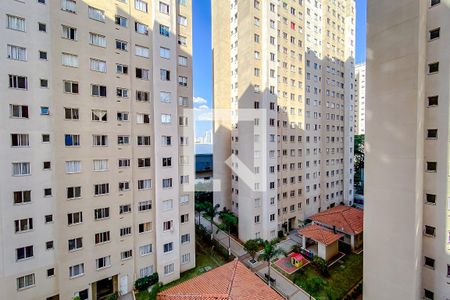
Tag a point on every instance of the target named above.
point(232, 281)
point(345, 218)
point(320, 234)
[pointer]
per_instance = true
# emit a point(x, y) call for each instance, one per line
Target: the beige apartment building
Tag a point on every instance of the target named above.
point(97, 161)
point(406, 240)
point(360, 99)
point(283, 120)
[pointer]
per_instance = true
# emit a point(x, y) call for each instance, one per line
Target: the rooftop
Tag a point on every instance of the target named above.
point(320, 234)
point(232, 281)
point(346, 219)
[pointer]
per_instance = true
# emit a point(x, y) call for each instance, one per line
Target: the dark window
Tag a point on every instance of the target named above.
point(433, 68)
point(430, 198)
point(41, 1)
point(44, 83)
point(47, 165)
point(433, 100)
point(430, 230)
point(428, 294)
point(51, 272)
point(47, 192)
point(49, 245)
point(431, 166)
point(46, 138)
point(48, 218)
point(432, 133)
point(435, 33)
point(43, 55)
point(429, 262)
point(42, 27)
point(435, 2)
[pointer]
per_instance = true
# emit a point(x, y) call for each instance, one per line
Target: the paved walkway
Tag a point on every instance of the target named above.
point(282, 285)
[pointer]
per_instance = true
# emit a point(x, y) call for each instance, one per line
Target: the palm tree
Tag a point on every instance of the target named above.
point(199, 207)
point(270, 251)
point(211, 211)
point(229, 220)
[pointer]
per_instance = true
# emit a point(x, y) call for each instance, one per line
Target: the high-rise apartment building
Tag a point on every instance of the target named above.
point(283, 98)
point(97, 160)
point(406, 237)
point(360, 99)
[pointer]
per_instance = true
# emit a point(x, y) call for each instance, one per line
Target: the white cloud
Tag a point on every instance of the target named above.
point(203, 113)
point(200, 100)
point(203, 107)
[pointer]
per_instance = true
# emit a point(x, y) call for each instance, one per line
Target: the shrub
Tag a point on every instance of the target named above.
point(296, 248)
point(321, 265)
point(76, 298)
point(314, 284)
point(154, 290)
point(112, 297)
point(145, 282)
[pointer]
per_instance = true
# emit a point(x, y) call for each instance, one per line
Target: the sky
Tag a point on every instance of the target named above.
point(202, 57)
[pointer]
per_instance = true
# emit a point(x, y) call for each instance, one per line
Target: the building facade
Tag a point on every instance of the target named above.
point(283, 110)
point(360, 99)
point(406, 246)
point(98, 165)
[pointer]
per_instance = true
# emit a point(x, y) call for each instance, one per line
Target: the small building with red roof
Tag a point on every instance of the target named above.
point(346, 220)
point(320, 241)
point(230, 281)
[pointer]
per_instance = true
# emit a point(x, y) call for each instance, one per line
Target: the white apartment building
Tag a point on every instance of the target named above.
point(407, 212)
point(360, 99)
point(283, 97)
point(97, 161)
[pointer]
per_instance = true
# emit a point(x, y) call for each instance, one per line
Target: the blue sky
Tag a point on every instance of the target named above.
point(203, 57)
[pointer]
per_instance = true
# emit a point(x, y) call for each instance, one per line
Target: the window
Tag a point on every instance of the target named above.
point(23, 225)
point(42, 27)
point(431, 166)
point(71, 113)
point(103, 262)
point(124, 186)
point(184, 199)
point(169, 269)
point(69, 6)
point(72, 140)
point(427, 293)
point(18, 111)
point(182, 20)
point(182, 2)
point(257, 219)
point(18, 82)
point(167, 183)
point(20, 140)
point(25, 281)
point(183, 101)
point(76, 270)
point(435, 2)
point(124, 209)
point(24, 253)
point(142, 96)
point(123, 140)
point(164, 30)
point(434, 34)
point(75, 244)
point(433, 68)
point(432, 133)
point(17, 53)
point(182, 40)
point(45, 111)
point(141, 5)
point(98, 65)
point(99, 115)
point(429, 262)
point(185, 258)
point(430, 199)
point(125, 231)
point(96, 14)
point(144, 162)
point(101, 213)
point(122, 92)
point(21, 169)
point(167, 225)
point(144, 184)
point(73, 166)
point(98, 91)
point(143, 140)
point(433, 100)
point(70, 60)
point(101, 189)
point(122, 116)
point(430, 230)
point(124, 163)
point(100, 165)
point(182, 61)
point(22, 197)
point(121, 45)
point(142, 51)
point(166, 140)
point(46, 138)
point(184, 179)
point(165, 97)
point(142, 118)
point(126, 254)
point(50, 272)
point(184, 218)
point(47, 165)
point(47, 192)
point(145, 250)
point(167, 161)
point(141, 28)
point(69, 33)
point(168, 247)
point(143, 74)
point(164, 74)
point(164, 52)
point(102, 237)
point(182, 80)
point(75, 218)
point(145, 205)
point(121, 69)
point(16, 23)
point(166, 119)
point(43, 55)
point(167, 204)
point(121, 21)
point(185, 238)
point(71, 87)
point(164, 8)
point(49, 245)
point(146, 271)
point(145, 227)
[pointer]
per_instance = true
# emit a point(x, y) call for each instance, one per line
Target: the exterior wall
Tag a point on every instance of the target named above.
point(360, 99)
point(56, 125)
point(396, 91)
point(289, 60)
point(328, 252)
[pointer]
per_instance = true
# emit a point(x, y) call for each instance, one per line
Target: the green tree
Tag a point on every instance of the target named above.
point(252, 247)
point(321, 265)
point(211, 211)
point(229, 220)
point(359, 158)
point(270, 251)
